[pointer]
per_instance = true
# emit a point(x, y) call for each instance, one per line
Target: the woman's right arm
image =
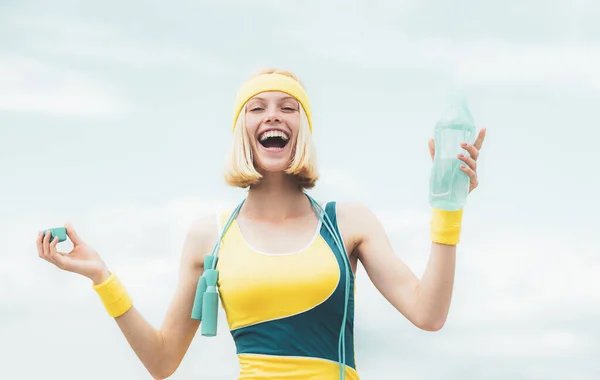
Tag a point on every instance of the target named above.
point(161, 351)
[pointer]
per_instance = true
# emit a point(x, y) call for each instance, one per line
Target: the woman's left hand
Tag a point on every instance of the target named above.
point(470, 160)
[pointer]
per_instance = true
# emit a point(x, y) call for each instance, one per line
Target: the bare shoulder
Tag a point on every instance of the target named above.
point(200, 238)
point(355, 220)
point(368, 236)
point(354, 214)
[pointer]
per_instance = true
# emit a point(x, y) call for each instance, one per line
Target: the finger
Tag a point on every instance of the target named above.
point(469, 161)
point(472, 175)
point(473, 152)
point(48, 247)
point(46, 244)
point(72, 234)
point(52, 250)
point(479, 140)
point(58, 258)
point(431, 148)
point(38, 243)
point(48, 240)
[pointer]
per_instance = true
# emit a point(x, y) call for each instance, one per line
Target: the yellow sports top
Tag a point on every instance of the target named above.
point(285, 311)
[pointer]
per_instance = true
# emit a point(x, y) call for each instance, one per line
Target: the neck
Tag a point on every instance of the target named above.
point(275, 198)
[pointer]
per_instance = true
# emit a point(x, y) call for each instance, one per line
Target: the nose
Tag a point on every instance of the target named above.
point(273, 114)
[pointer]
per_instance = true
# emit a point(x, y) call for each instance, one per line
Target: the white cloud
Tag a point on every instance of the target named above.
point(531, 343)
point(395, 221)
point(506, 276)
point(343, 183)
point(139, 55)
point(28, 84)
point(497, 62)
point(99, 42)
point(360, 40)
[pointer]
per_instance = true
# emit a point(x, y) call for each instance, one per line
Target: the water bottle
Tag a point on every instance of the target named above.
point(448, 184)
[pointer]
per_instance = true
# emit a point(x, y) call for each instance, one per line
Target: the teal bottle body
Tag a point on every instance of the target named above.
point(448, 184)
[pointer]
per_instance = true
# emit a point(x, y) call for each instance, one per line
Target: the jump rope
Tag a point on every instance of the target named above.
point(206, 302)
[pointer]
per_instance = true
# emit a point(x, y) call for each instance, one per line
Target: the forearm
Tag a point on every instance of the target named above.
point(147, 342)
point(434, 292)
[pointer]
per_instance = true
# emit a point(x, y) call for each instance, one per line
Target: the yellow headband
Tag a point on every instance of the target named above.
point(271, 82)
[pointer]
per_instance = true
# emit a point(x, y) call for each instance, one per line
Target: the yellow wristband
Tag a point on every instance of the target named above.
point(445, 226)
point(114, 296)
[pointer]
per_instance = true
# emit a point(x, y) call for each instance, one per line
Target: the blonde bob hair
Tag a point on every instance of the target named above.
point(239, 170)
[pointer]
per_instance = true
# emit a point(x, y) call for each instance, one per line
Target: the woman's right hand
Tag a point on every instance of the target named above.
point(82, 259)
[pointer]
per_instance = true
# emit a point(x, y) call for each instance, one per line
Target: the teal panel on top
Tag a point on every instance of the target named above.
point(313, 333)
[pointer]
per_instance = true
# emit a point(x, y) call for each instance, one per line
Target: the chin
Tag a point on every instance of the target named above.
point(272, 165)
point(273, 154)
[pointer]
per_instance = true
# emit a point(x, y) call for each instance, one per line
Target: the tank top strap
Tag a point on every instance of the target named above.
point(331, 211)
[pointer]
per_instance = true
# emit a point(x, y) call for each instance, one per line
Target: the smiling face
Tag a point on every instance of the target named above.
point(272, 124)
point(272, 133)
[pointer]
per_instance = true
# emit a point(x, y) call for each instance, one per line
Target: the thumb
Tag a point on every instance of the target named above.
point(72, 234)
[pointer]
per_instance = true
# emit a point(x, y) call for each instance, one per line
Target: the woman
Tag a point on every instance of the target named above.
point(286, 263)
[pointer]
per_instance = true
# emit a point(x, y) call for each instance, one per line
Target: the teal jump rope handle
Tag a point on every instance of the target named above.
point(201, 289)
point(60, 232)
point(197, 308)
point(210, 304)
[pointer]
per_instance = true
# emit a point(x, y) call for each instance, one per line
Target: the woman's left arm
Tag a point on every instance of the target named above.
point(424, 302)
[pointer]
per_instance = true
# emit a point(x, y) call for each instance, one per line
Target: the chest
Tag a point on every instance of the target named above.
point(257, 287)
point(279, 238)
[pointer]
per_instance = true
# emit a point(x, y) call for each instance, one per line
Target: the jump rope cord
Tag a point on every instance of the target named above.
point(342, 340)
point(338, 241)
point(215, 251)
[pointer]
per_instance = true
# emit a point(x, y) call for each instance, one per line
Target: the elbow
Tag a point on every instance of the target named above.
point(161, 374)
point(162, 371)
point(432, 327)
point(159, 377)
point(431, 324)
point(164, 363)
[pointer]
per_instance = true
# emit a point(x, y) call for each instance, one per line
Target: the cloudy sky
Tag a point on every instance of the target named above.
point(115, 116)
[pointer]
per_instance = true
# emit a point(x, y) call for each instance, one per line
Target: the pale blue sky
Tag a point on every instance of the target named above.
point(115, 116)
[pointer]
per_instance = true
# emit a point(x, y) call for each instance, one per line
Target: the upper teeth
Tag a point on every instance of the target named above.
point(273, 133)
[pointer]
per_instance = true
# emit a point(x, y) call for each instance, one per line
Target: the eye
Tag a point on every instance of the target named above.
point(255, 109)
point(290, 109)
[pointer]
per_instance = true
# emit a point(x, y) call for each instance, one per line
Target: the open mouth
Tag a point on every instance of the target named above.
point(274, 139)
